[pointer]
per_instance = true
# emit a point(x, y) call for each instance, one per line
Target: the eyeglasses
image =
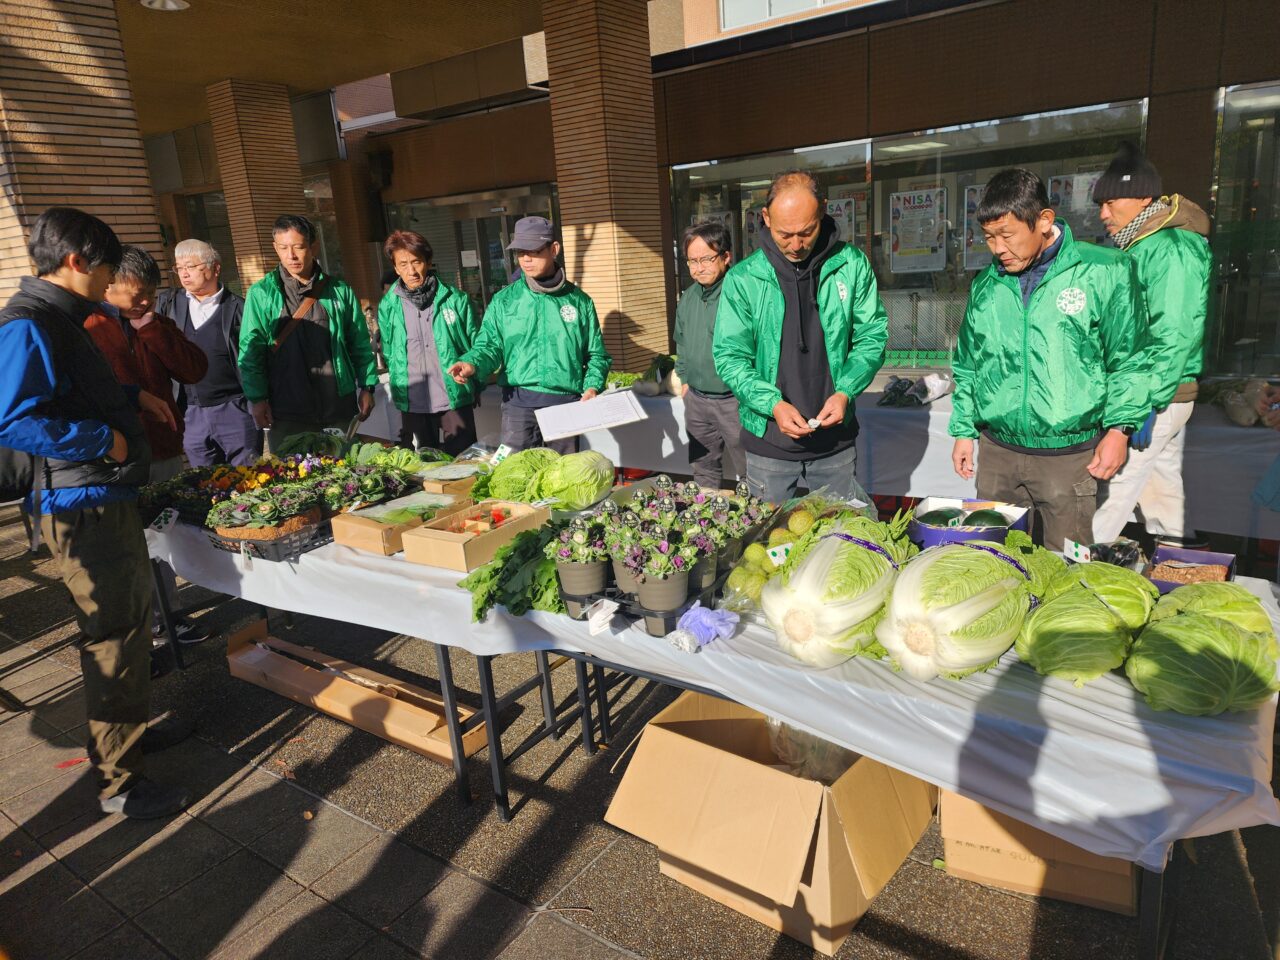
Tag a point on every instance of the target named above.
point(703, 261)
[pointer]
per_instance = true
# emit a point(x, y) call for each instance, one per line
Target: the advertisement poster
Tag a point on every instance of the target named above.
point(1071, 196)
point(841, 211)
point(976, 254)
point(918, 231)
point(859, 198)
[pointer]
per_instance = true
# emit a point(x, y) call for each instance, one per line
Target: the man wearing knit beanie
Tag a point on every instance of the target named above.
point(1166, 236)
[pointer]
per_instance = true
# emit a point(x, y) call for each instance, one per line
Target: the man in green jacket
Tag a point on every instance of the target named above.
point(1166, 236)
point(543, 332)
point(304, 343)
point(425, 326)
point(1049, 367)
point(799, 335)
point(710, 408)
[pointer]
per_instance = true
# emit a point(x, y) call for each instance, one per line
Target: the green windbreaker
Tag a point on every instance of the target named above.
point(748, 335)
point(353, 362)
point(1173, 267)
point(542, 341)
point(454, 327)
point(1055, 372)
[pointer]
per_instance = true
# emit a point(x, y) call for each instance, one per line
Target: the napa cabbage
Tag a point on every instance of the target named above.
point(574, 481)
point(511, 478)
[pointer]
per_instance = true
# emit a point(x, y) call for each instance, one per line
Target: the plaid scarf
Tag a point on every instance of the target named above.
point(1126, 235)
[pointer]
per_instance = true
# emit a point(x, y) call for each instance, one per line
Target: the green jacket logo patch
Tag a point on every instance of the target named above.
point(450, 316)
point(568, 313)
point(1071, 301)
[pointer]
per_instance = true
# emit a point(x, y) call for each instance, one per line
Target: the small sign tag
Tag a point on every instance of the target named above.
point(246, 555)
point(166, 519)
point(779, 553)
point(501, 453)
point(543, 503)
point(335, 431)
point(1076, 551)
point(599, 614)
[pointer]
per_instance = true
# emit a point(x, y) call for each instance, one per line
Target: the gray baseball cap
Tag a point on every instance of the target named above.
point(532, 233)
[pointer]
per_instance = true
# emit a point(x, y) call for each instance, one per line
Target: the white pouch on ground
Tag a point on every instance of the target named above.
point(806, 755)
point(932, 386)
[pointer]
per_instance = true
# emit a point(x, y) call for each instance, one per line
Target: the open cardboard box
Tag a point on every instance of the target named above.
point(1000, 851)
point(458, 488)
point(392, 709)
point(436, 545)
point(704, 787)
point(358, 530)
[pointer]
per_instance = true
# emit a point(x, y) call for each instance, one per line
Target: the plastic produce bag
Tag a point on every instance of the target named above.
point(807, 755)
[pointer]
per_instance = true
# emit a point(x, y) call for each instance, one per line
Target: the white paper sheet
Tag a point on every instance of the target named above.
point(603, 412)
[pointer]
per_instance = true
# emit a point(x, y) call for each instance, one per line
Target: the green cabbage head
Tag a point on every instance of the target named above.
point(574, 481)
point(511, 477)
point(1075, 636)
point(1130, 595)
point(1226, 601)
point(1199, 665)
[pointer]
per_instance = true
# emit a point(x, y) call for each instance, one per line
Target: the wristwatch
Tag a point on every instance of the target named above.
point(1126, 430)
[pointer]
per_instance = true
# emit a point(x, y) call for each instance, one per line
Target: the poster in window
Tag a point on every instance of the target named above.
point(1071, 196)
point(859, 198)
point(918, 231)
point(976, 254)
point(752, 225)
point(841, 211)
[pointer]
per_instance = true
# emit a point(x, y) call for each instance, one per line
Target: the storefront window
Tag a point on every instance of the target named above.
point(744, 13)
point(207, 215)
point(1244, 333)
point(908, 202)
point(318, 193)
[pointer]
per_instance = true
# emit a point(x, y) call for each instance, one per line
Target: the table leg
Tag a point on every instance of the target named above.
point(584, 701)
point(449, 694)
point(484, 666)
point(602, 702)
point(1155, 918)
point(548, 694)
point(166, 616)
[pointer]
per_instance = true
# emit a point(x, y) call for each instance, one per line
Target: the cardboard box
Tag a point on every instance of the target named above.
point(435, 545)
point(1164, 553)
point(364, 533)
point(999, 851)
point(392, 709)
point(458, 488)
point(797, 856)
point(925, 536)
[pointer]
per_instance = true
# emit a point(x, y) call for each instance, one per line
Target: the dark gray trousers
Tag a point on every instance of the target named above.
point(713, 428)
point(1059, 491)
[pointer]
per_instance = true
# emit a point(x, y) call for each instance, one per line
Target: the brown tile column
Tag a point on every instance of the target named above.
point(68, 131)
point(606, 168)
point(258, 161)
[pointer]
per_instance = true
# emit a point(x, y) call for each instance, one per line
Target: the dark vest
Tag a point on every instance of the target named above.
point(222, 381)
point(86, 387)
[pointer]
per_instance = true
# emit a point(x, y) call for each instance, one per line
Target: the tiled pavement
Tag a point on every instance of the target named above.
point(313, 840)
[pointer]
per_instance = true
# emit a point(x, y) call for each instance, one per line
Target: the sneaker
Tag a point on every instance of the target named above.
point(188, 633)
point(166, 733)
point(148, 800)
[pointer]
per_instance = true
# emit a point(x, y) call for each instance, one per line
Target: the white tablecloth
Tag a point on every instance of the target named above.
point(1094, 766)
point(907, 452)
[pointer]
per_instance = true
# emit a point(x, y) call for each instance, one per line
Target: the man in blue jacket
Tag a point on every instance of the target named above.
point(61, 404)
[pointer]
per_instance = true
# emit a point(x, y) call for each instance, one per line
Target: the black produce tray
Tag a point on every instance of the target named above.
point(657, 623)
point(282, 549)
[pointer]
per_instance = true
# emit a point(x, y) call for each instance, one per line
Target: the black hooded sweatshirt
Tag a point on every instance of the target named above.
point(804, 375)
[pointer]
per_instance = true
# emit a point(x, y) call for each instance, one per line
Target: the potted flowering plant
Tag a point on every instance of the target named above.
point(668, 560)
point(622, 544)
point(579, 552)
point(705, 538)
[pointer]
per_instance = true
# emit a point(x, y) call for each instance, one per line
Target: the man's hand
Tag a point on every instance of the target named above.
point(366, 404)
point(1109, 455)
point(962, 458)
point(833, 411)
point(119, 451)
point(1269, 396)
point(262, 414)
point(152, 406)
point(790, 422)
point(462, 372)
point(143, 320)
point(590, 394)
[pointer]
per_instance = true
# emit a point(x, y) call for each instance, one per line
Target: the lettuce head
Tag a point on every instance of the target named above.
point(1074, 636)
point(1130, 595)
point(1226, 601)
point(511, 477)
point(574, 481)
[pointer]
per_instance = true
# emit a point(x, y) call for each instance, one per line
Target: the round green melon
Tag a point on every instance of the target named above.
point(986, 518)
point(942, 517)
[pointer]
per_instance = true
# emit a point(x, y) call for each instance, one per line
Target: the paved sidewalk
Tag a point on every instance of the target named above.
point(314, 840)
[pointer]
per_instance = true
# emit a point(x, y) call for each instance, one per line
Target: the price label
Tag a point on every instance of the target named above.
point(779, 554)
point(501, 454)
point(543, 503)
point(335, 432)
point(1076, 551)
point(246, 554)
point(165, 520)
point(599, 614)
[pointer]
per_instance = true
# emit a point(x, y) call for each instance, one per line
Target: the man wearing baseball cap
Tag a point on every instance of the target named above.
point(1166, 237)
point(543, 333)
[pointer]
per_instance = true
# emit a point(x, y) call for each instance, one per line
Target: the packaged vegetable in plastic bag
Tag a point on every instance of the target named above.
point(807, 755)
